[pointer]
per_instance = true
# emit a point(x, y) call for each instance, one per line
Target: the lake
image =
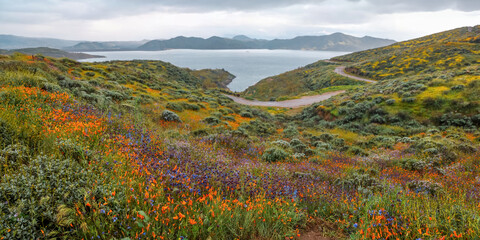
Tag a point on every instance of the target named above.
point(249, 66)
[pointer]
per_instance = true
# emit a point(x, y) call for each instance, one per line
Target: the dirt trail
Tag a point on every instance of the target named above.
point(303, 101)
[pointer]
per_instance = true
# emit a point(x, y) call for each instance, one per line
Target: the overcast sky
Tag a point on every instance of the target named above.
point(102, 20)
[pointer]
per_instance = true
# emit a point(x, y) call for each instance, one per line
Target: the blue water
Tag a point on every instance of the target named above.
point(249, 66)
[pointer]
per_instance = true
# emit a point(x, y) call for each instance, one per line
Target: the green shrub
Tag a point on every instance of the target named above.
point(433, 103)
point(89, 74)
point(30, 199)
point(188, 106)
point(413, 164)
point(298, 146)
point(425, 186)
point(357, 151)
point(360, 180)
point(170, 116)
point(7, 133)
point(229, 118)
point(281, 143)
point(212, 120)
point(274, 155)
point(290, 131)
point(390, 101)
point(12, 157)
point(174, 106)
point(458, 87)
point(246, 114)
point(409, 100)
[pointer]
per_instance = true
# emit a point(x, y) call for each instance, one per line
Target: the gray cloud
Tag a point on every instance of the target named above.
point(135, 19)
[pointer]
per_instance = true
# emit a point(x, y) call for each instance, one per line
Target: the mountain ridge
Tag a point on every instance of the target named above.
point(332, 42)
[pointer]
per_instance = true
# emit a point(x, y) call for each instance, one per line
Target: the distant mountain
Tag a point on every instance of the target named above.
point(106, 46)
point(15, 42)
point(195, 43)
point(333, 42)
point(50, 52)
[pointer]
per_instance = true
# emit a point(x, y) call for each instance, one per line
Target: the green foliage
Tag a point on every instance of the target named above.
point(363, 181)
point(274, 155)
point(37, 196)
point(170, 116)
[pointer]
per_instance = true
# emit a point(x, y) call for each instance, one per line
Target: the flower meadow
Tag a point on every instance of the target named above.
point(76, 169)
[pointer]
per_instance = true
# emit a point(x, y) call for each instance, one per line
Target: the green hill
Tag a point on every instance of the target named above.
point(309, 80)
point(454, 49)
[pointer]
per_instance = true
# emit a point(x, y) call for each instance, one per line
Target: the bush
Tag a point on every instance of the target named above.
point(13, 157)
point(326, 137)
point(378, 119)
point(7, 133)
point(89, 74)
point(433, 103)
point(458, 87)
point(281, 143)
point(390, 101)
point(31, 198)
point(425, 186)
point(357, 151)
point(274, 155)
point(409, 100)
point(170, 116)
point(360, 180)
point(174, 106)
point(298, 146)
point(211, 120)
point(413, 164)
point(246, 114)
point(188, 106)
point(290, 131)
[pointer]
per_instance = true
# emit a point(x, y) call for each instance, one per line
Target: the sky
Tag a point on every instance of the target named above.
point(108, 20)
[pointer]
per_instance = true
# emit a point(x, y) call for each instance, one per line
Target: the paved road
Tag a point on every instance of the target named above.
point(341, 70)
point(303, 101)
point(294, 103)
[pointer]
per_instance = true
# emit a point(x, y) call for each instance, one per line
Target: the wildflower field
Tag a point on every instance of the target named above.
point(144, 150)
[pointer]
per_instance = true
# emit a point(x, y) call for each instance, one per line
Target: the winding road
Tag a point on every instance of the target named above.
point(303, 101)
point(341, 70)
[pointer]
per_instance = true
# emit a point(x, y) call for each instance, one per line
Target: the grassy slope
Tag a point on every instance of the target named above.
point(86, 152)
point(307, 80)
point(442, 51)
point(214, 78)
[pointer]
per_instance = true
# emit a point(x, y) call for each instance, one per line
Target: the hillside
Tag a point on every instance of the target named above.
point(148, 150)
point(457, 48)
point(105, 46)
point(50, 52)
point(333, 42)
point(309, 80)
point(194, 43)
point(16, 42)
